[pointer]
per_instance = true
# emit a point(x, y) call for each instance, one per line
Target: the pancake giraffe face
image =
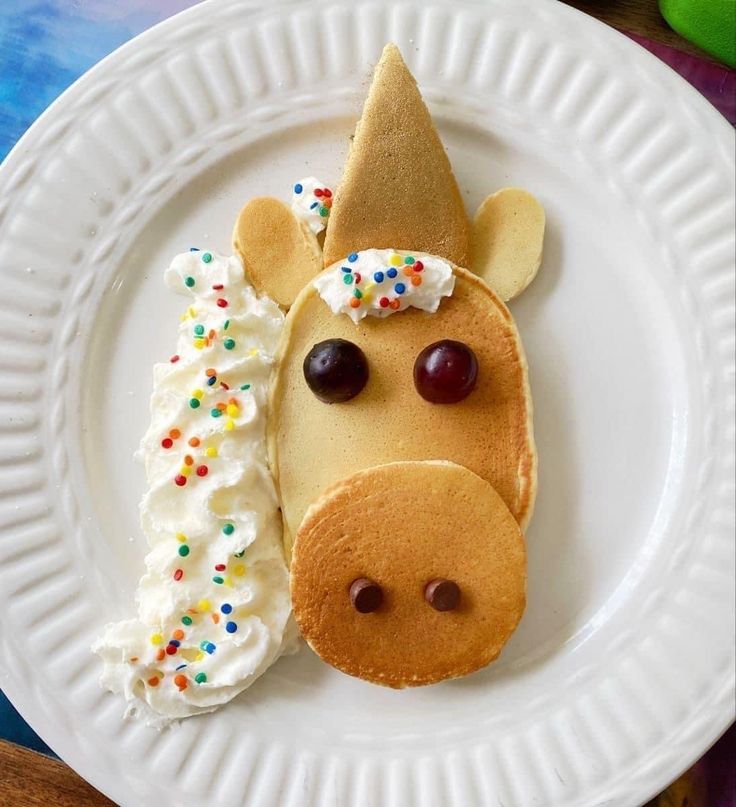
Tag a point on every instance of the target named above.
point(400, 416)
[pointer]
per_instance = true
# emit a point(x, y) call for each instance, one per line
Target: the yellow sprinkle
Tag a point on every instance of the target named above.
point(228, 582)
point(211, 451)
point(232, 410)
point(185, 470)
point(367, 298)
point(198, 394)
point(239, 570)
point(230, 425)
point(181, 537)
point(157, 638)
point(199, 343)
point(199, 656)
point(192, 311)
point(395, 260)
point(203, 605)
point(183, 317)
point(253, 351)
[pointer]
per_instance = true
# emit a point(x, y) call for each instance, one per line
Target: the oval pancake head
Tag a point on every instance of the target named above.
point(313, 445)
point(403, 525)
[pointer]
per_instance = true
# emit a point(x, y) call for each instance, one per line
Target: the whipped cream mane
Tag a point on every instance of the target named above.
point(213, 604)
point(379, 282)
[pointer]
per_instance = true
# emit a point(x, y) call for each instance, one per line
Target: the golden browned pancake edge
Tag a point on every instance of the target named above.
point(398, 190)
point(313, 445)
point(403, 525)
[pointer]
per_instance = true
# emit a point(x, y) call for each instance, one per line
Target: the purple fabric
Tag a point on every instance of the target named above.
point(715, 81)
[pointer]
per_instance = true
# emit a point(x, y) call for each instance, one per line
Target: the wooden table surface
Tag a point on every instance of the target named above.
point(27, 778)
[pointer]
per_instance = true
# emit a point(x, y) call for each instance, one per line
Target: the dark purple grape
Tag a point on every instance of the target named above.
point(335, 370)
point(445, 372)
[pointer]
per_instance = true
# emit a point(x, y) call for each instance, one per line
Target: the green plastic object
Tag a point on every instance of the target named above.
point(709, 24)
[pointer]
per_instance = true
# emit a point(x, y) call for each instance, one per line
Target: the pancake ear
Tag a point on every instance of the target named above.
point(508, 231)
point(279, 251)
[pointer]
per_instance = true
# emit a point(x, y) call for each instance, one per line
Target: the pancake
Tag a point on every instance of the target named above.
point(397, 190)
point(313, 445)
point(403, 525)
point(279, 251)
point(508, 231)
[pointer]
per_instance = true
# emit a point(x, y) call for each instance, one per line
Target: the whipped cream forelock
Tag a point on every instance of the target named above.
point(311, 201)
point(379, 282)
point(213, 604)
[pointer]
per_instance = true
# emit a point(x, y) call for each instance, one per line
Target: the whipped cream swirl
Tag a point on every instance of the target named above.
point(213, 604)
point(379, 282)
point(311, 201)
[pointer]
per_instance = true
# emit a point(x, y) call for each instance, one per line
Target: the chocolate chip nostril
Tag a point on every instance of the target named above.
point(365, 595)
point(442, 595)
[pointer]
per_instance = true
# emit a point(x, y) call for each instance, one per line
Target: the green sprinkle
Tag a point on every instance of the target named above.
point(186, 620)
point(203, 644)
point(228, 529)
point(189, 281)
point(239, 554)
point(347, 280)
point(324, 211)
point(200, 678)
point(199, 330)
point(245, 386)
point(206, 257)
point(229, 344)
point(216, 413)
point(183, 550)
point(357, 293)
point(409, 260)
point(217, 579)
point(194, 403)
point(226, 325)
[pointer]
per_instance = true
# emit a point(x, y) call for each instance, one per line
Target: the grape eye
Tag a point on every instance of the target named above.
point(445, 372)
point(335, 370)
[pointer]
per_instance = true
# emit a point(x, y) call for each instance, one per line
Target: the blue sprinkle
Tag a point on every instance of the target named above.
point(392, 273)
point(210, 648)
point(211, 380)
point(226, 608)
point(194, 249)
point(313, 205)
point(181, 666)
point(352, 257)
point(175, 642)
point(231, 627)
point(298, 188)
point(399, 288)
point(346, 269)
point(378, 277)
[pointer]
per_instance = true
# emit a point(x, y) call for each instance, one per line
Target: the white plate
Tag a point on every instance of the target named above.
point(622, 670)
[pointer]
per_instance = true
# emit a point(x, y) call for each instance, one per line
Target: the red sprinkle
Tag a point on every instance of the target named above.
point(180, 480)
point(167, 442)
point(418, 266)
point(327, 192)
point(318, 193)
point(222, 303)
point(383, 302)
point(202, 470)
point(220, 567)
point(358, 278)
point(218, 286)
point(174, 359)
point(178, 574)
point(224, 385)
point(171, 649)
